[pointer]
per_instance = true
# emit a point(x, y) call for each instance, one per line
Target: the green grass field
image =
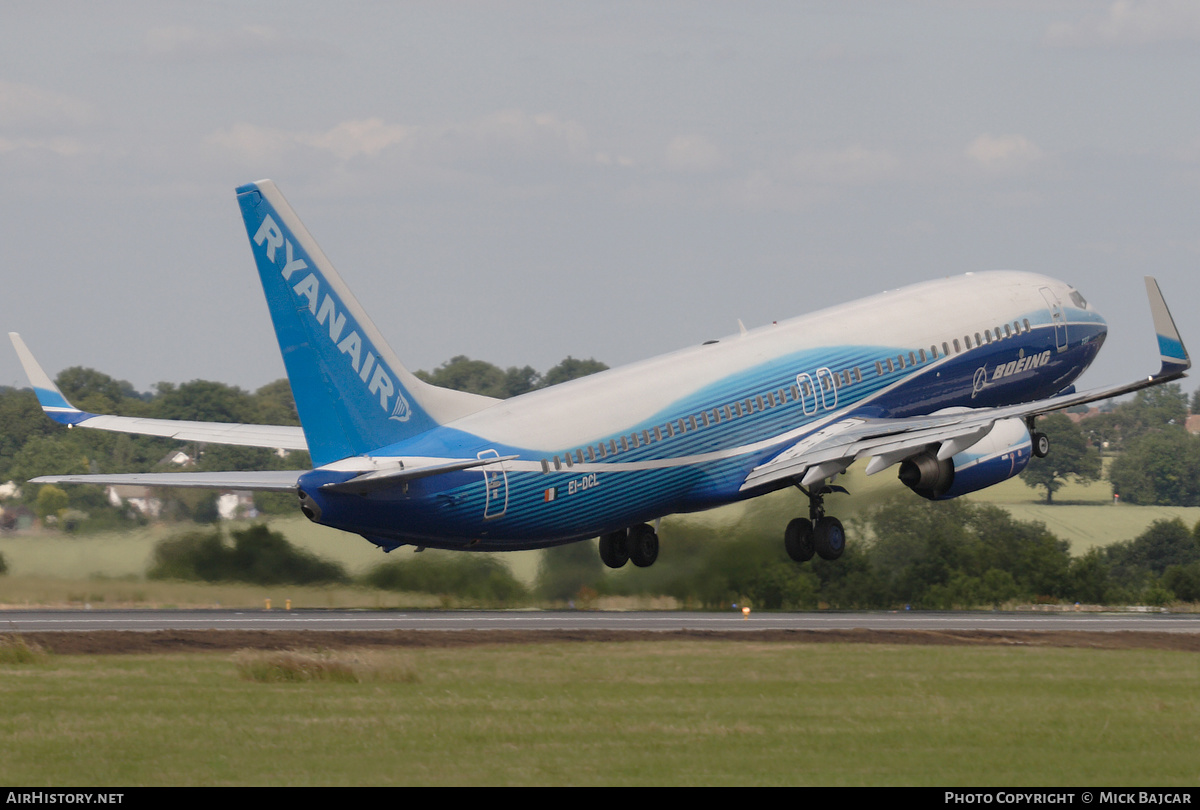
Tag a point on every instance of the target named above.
point(673, 713)
point(107, 569)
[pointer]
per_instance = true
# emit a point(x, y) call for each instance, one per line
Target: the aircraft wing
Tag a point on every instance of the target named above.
point(884, 442)
point(55, 405)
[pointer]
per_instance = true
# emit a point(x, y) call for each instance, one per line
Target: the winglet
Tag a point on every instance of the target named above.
point(1174, 356)
point(49, 397)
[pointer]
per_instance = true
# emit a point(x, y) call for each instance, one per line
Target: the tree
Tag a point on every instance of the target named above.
point(564, 571)
point(1071, 457)
point(1164, 543)
point(203, 401)
point(1161, 468)
point(461, 373)
point(94, 391)
point(1150, 409)
point(571, 369)
point(50, 501)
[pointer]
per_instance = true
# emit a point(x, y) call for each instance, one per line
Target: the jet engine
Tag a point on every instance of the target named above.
point(999, 455)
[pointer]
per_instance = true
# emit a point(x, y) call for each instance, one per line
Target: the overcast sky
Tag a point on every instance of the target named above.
point(522, 181)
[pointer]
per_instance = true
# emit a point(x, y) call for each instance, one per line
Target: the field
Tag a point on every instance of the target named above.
point(621, 712)
point(626, 713)
point(107, 569)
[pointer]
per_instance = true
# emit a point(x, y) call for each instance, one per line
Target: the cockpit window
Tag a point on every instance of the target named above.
point(1078, 300)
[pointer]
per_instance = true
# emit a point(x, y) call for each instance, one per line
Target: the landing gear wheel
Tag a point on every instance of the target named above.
point(829, 538)
point(614, 549)
point(643, 545)
point(798, 540)
point(1041, 444)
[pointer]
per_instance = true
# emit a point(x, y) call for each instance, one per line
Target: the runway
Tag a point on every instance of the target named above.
point(28, 621)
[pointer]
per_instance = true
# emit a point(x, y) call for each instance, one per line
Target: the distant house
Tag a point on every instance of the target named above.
point(233, 505)
point(1078, 417)
point(1193, 424)
point(139, 497)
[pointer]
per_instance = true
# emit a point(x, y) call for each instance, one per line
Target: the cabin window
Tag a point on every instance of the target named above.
point(890, 366)
point(1007, 331)
point(579, 456)
point(545, 467)
point(1028, 328)
point(658, 434)
point(729, 412)
point(987, 334)
point(567, 459)
point(945, 350)
point(857, 375)
point(878, 368)
point(646, 436)
point(900, 361)
point(978, 340)
point(612, 447)
point(957, 350)
point(912, 358)
point(557, 463)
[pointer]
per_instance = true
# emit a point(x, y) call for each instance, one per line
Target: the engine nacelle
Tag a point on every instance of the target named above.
point(998, 456)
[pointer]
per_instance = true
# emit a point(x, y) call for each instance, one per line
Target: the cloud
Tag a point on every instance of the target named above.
point(507, 135)
point(189, 43)
point(62, 146)
point(1003, 152)
point(363, 138)
point(692, 153)
point(1131, 23)
point(24, 105)
point(850, 166)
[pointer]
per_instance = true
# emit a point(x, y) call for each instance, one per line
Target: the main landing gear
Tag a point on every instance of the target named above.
point(637, 544)
point(817, 533)
point(1041, 442)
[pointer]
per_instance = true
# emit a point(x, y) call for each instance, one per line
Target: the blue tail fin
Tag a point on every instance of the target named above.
point(352, 393)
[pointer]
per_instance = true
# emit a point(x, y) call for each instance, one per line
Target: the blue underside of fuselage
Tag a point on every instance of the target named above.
point(539, 509)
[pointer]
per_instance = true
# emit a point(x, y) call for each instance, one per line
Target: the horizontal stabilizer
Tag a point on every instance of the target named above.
point(56, 406)
point(266, 481)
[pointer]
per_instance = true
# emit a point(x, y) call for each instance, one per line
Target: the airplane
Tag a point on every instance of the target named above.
point(944, 378)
